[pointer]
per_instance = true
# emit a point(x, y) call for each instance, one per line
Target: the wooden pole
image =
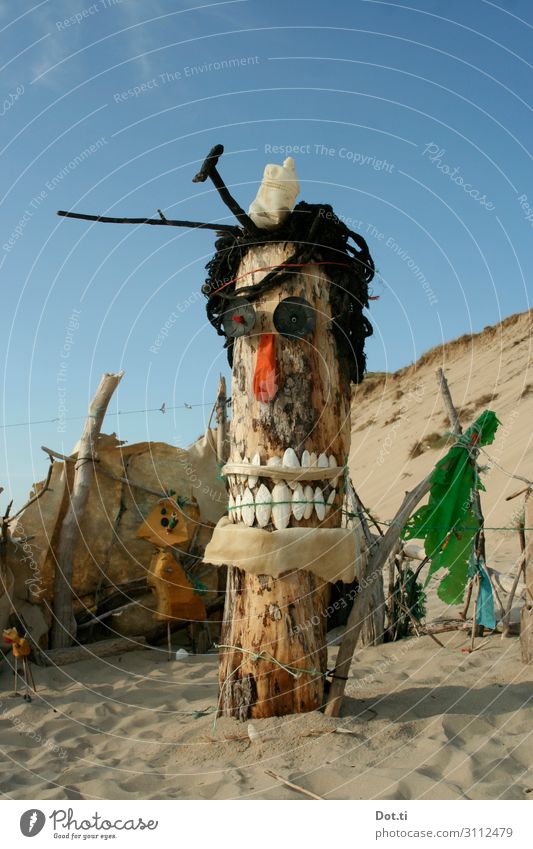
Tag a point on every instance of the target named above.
point(283, 617)
point(448, 403)
point(480, 536)
point(64, 625)
point(379, 556)
point(526, 620)
point(222, 420)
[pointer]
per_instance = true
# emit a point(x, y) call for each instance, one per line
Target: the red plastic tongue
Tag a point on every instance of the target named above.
point(265, 386)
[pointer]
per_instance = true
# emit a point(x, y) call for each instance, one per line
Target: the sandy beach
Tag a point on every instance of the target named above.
point(424, 723)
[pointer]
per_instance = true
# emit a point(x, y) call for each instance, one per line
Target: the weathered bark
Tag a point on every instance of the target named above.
point(526, 619)
point(64, 626)
point(311, 410)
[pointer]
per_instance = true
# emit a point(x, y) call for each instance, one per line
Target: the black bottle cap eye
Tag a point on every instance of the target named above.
point(294, 317)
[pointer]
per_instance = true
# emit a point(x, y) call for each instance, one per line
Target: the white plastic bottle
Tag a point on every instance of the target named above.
point(276, 196)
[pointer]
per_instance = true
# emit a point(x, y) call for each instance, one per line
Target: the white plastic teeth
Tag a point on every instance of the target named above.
point(248, 508)
point(274, 461)
point(331, 500)
point(306, 459)
point(312, 459)
point(333, 465)
point(298, 502)
point(263, 506)
point(310, 501)
point(244, 478)
point(290, 461)
point(231, 508)
point(320, 506)
point(323, 462)
point(281, 508)
point(236, 458)
point(253, 479)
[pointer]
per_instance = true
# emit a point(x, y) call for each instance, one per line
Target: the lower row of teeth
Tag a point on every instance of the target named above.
point(277, 507)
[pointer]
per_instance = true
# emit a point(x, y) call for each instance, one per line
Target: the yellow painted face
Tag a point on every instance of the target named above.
point(169, 525)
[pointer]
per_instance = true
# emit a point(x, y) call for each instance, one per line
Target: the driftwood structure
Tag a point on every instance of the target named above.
point(146, 503)
point(64, 627)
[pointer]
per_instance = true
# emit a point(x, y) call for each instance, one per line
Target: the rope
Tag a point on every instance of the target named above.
point(438, 528)
point(295, 671)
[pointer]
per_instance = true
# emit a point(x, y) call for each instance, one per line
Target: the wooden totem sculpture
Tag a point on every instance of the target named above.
point(289, 300)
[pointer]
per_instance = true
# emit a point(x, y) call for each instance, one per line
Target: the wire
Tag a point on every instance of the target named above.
point(163, 409)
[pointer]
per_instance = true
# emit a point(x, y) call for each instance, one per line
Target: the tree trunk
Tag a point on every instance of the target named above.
point(64, 625)
point(526, 619)
point(283, 616)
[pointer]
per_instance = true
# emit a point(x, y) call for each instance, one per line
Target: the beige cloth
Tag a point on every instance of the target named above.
point(334, 554)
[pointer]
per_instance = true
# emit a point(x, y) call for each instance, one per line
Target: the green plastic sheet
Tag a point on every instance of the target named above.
point(448, 523)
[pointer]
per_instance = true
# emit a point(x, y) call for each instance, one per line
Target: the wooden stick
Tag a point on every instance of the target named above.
point(64, 624)
point(292, 785)
point(495, 591)
point(507, 615)
point(526, 618)
point(520, 491)
point(42, 491)
point(469, 586)
point(221, 413)
point(459, 625)
point(161, 222)
point(477, 587)
point(383, 548)
point(103, 648)
point(448, 403)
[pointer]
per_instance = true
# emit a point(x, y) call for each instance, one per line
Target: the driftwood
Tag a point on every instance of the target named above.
point(221, 414)
point(161, 221)
point(474, 582)
point(104, 648)
point(291, 784)
point(526, 619)
point(311, 411)
point(379, 556)
point(45, 486)
point(448, 403)
point(64, 626)
point(506, 619)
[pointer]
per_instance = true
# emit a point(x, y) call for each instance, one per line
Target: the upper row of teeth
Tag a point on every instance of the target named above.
point(288, 461)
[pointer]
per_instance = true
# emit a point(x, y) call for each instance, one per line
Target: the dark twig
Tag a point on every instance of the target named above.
point(161, 222)
point(209, 169)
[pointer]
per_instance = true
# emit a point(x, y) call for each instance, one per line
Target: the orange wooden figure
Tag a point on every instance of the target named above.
point(21, 649)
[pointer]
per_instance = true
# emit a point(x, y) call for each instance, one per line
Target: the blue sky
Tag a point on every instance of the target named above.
point(413, 122)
